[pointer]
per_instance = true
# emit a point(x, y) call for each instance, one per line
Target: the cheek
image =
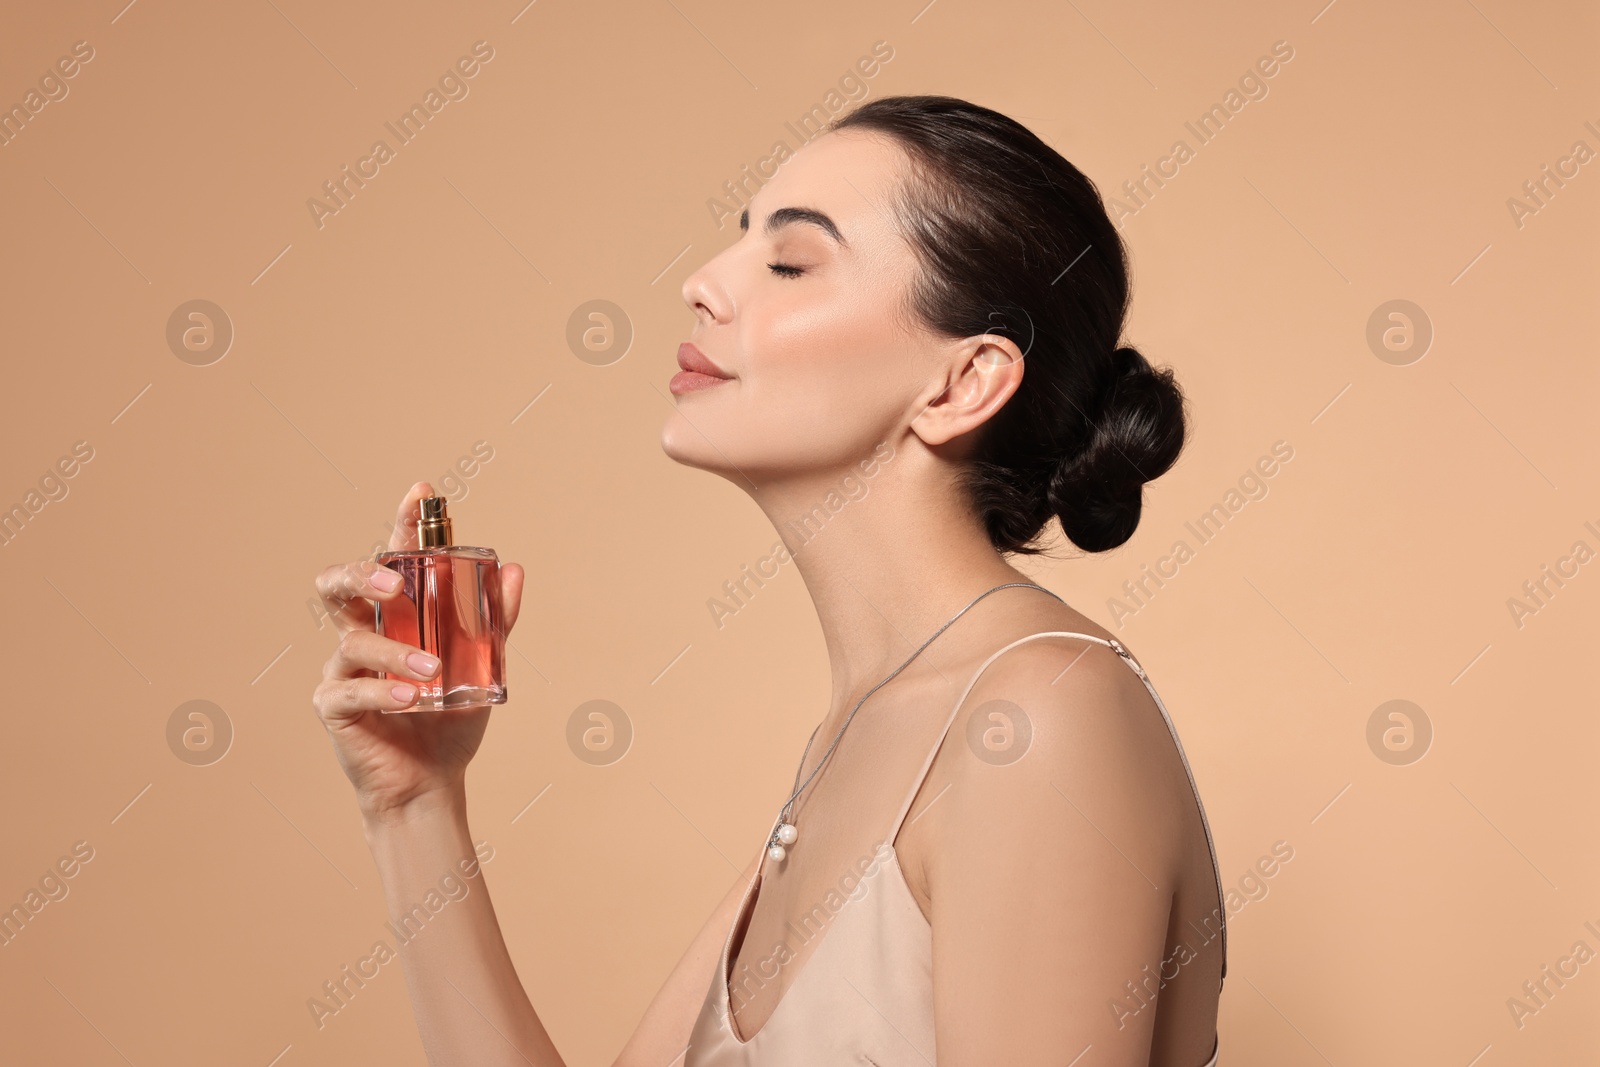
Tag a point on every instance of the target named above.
point(827, 357)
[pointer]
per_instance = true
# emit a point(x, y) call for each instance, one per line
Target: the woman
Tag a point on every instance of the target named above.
point(1002, 860)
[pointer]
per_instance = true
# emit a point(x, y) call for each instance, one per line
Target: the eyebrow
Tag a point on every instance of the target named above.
point(784, 216)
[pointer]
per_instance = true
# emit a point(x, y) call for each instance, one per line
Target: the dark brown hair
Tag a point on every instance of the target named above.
point(1012, 239)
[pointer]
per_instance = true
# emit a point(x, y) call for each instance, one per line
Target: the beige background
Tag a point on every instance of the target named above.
point(430, 311)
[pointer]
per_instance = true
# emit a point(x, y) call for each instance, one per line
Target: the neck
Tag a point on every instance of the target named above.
point(888, 557)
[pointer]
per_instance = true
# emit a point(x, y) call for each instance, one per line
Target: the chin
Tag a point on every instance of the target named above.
point(685, 444)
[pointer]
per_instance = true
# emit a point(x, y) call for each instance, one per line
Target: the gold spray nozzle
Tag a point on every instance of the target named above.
point(433, 528)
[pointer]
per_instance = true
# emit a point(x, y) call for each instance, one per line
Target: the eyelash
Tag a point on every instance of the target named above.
point(783, 270)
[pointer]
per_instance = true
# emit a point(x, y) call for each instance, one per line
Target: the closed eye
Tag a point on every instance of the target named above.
point(783, 270)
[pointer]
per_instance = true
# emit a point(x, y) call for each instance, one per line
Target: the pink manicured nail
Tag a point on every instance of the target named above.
point(385, 580)
point(404, 693)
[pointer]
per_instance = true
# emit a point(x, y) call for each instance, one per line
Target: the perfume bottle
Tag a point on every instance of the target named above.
point(449, 605)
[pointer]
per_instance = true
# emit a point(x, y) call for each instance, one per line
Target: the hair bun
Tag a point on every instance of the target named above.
point(1135, 437)
point(1130, 360)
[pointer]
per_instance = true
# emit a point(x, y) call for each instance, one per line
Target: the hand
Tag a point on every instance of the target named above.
point(394, 761)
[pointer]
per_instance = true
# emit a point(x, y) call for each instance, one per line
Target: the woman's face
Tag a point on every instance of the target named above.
point(808, 325)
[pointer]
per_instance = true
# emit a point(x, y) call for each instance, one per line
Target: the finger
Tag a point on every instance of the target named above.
point(342, 588)
point(341, 700)
point(364, 650)
point(404, 533)
point(346, 590)
point(512, 577)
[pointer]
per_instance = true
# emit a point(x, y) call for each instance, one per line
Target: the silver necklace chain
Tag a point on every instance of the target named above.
point(788, 807)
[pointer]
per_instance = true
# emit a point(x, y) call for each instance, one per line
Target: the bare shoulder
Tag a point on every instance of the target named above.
point(1089, 719)
point(1059, 730)
point(1049, 843)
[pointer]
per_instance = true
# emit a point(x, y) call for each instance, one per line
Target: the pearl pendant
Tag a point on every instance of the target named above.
point(785, 835)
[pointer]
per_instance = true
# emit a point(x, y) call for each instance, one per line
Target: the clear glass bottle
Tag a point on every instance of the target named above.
point(449, 605)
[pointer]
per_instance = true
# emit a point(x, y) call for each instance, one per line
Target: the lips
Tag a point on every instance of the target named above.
point(698, 372)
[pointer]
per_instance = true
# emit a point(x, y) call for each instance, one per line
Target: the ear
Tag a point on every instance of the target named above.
point(980, 376)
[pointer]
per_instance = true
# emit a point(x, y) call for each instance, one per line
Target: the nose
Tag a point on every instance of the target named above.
point(706, 296)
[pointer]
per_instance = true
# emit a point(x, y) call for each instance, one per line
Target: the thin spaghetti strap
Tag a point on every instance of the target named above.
point(1127, 657)
point(927, 763)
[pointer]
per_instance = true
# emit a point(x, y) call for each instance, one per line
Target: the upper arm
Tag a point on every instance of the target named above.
point(1052, 871)
point(662, 1036)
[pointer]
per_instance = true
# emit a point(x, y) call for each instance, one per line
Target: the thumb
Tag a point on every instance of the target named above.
point(512, 576)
